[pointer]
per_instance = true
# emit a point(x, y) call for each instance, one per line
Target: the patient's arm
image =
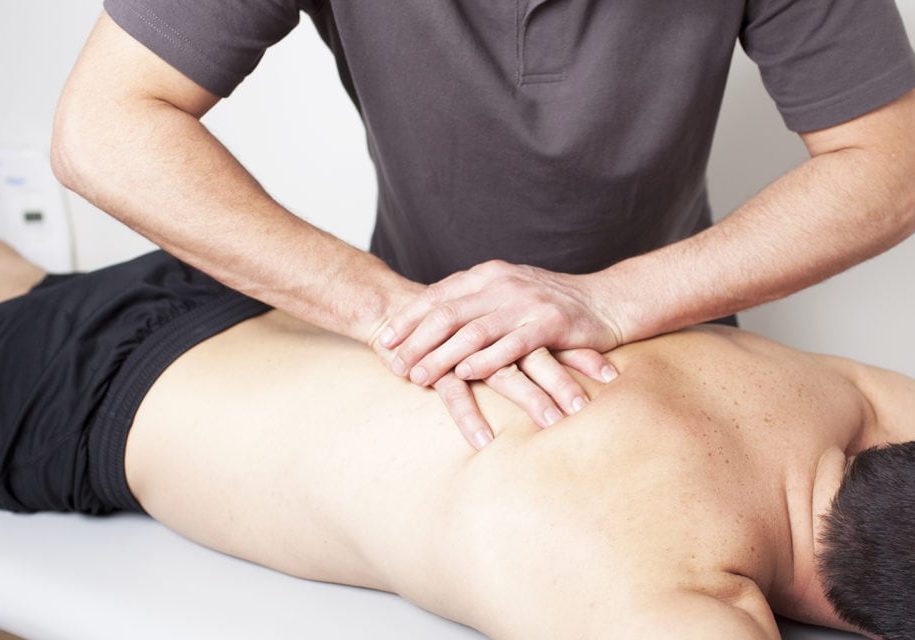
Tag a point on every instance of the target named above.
point(695, 616)
point(892, 399)
point(17, 275)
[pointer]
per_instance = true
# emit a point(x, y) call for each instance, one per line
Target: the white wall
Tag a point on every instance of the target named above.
point(293, 126)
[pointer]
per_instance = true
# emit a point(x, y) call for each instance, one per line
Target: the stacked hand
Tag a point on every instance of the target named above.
point(512, 326)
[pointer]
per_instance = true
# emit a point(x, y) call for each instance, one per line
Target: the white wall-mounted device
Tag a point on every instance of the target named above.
point(33, 212)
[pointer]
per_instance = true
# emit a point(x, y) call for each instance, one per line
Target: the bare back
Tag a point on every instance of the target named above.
point(297, 449)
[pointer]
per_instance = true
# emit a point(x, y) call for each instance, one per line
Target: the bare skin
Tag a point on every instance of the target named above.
point(674, 498)
point(17, 275)
point(681, 502)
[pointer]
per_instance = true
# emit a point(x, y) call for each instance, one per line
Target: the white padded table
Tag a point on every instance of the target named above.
point(126, 576)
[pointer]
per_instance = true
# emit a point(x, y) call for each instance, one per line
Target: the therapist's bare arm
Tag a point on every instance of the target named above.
point(853, 199)
point(128, 138)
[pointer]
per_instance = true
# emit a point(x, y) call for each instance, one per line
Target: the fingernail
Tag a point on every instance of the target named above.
point(481, 439)
point(419, 375)
point(387, 337)
point(398, 366)
point(552, 416)
point(608, 373)
point(463, 371)
point(578, 404)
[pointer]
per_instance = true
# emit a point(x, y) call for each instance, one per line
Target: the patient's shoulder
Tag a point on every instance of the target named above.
point(734, 607)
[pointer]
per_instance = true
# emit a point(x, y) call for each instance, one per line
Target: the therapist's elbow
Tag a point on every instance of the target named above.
point(89, 139)
point(892, 192)
point(901, 166)
point(904, 207)
point(907, 204)
point(71, 146)
point(62, 162)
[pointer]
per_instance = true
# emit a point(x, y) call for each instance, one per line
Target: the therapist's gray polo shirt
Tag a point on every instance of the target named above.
point(567, 134)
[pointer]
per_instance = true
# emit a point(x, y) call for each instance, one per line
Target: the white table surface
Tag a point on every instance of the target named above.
point(126, 576)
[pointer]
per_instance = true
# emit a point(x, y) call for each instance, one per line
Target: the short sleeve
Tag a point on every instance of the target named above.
point(216, 43)
point(825, 62)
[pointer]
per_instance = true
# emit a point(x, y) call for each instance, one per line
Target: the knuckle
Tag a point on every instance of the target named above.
point(508, 372)
point(540, 353)
point(479, 268)
point(555, 314)
point(444, 316)
point(453, 393)
point(475, 333)
point(457, 275)
point(490, 267)
point(595, 362)
point(566, 387)
point(433, 293)
point(514, 344)
point(571, 359)
point(496, 264)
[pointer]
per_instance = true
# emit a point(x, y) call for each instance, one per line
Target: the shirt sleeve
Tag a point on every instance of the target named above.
point(216, 43)
point(825, 62)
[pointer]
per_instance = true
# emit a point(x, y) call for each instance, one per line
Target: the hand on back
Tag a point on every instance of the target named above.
point(511, 326)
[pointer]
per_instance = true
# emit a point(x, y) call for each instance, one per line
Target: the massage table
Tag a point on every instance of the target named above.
point(74, 577)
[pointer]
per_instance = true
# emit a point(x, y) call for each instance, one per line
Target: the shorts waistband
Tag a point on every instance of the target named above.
point(111, 425)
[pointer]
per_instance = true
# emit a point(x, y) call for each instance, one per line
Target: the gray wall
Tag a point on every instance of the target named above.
point(293, 127)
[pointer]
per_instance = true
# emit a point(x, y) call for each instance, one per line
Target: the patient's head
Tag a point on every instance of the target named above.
point(867, 557)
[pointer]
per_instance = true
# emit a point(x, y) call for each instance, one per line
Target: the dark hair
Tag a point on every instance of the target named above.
point(868, 558)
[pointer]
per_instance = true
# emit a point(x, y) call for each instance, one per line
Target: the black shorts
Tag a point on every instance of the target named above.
point(77, 355)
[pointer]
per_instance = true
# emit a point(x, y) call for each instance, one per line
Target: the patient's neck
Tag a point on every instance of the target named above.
point(798, 592)
point(889, 404)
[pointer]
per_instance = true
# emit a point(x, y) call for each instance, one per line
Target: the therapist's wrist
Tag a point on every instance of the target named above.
point(626, 300)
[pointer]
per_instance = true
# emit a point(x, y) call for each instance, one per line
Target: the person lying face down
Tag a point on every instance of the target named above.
point(722, 477)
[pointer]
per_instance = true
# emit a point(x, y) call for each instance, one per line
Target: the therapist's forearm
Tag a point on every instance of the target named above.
point(833, 211)
point(160, 171)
